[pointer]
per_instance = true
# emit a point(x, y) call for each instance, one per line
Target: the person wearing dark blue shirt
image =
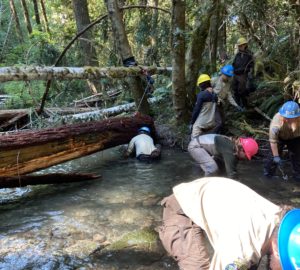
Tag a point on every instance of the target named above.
point(203, 117)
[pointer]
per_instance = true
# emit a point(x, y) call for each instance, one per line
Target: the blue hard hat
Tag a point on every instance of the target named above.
point(227, 70)
point(290, 109)
point(145, 129)
point(289, 240)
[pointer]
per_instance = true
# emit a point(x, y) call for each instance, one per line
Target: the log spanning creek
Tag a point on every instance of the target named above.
point(109, 223)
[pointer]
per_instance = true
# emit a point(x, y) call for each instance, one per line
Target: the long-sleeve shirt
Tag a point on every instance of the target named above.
point(222, 89)
point(280, 130)
point(220, 147)
point(243, 62)
point(202, 98)
point(142, 144)
point(237, 220)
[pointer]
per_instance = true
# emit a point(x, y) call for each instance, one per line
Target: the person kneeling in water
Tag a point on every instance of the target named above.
point(143, 145)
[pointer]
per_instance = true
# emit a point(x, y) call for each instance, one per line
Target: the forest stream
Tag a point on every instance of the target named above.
point(107, 223)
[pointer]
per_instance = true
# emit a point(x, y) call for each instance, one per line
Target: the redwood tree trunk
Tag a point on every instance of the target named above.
point(178, 62)
point(26, 152)
point(125, 52)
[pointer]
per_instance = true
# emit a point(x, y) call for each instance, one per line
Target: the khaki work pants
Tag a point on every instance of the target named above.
point(183, 239)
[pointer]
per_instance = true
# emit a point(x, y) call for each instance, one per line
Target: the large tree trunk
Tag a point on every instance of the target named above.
point(16, 18)
point(178, 63)
point(26, 16)
point(196, 49)
point(214, 36)
point(82, 18)
point(26, 152)
point(89, 56)
point(69, 73)
point(124, 50)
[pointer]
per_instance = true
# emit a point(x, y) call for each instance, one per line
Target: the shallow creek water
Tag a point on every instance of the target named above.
point(73, 226)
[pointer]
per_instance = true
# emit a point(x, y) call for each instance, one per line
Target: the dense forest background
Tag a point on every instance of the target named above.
point(191, 36)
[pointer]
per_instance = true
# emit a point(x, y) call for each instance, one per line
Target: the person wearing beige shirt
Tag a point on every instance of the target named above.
point(285, 131)
point(222, 87)
point(143, 146)
point(241, 225)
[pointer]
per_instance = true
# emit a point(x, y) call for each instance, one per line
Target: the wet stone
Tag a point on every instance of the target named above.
point(82, 248)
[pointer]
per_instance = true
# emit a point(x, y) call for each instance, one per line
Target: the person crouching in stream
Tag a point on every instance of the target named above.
point(285, 131)
point(241, 226)
point(143, 145)
point(212, 152)
point(203, 117)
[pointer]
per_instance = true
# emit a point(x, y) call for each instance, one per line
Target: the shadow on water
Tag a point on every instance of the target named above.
point(67, 226)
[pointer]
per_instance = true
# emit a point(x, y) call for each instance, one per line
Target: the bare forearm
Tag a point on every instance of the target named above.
point(274, 148)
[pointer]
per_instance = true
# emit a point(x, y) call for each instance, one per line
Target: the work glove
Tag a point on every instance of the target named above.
point(240, 109)
point(277, 160)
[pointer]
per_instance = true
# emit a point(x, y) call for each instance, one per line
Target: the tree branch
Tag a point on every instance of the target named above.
point(40, 110)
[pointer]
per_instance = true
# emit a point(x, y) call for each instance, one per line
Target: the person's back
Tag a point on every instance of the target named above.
point(237, 220)
point(143, 144)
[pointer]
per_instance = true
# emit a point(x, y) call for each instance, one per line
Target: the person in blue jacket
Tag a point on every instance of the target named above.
point(203, 117)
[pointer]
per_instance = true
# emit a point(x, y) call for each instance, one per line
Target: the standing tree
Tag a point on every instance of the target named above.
point(45, 16)
point(16, 18)
point(197, 47)
point(178, 62)
point(37, 14)
point(26, 16)
point(214, 36)
point(125, 52)
point(88, 56)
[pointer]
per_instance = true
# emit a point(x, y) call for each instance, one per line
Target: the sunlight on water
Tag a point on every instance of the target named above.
point(61, 226)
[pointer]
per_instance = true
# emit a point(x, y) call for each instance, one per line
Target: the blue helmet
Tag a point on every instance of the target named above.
point(290, 109)
point(145, 129)
point(227, 70)
point(289, 240)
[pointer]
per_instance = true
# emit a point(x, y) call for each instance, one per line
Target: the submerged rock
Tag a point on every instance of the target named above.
point(145, 239)
point(82, 248)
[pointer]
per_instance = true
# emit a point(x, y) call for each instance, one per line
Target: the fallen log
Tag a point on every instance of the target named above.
point(28, 151)
point(54, 178)
point(28, 73)
point(108, 112)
